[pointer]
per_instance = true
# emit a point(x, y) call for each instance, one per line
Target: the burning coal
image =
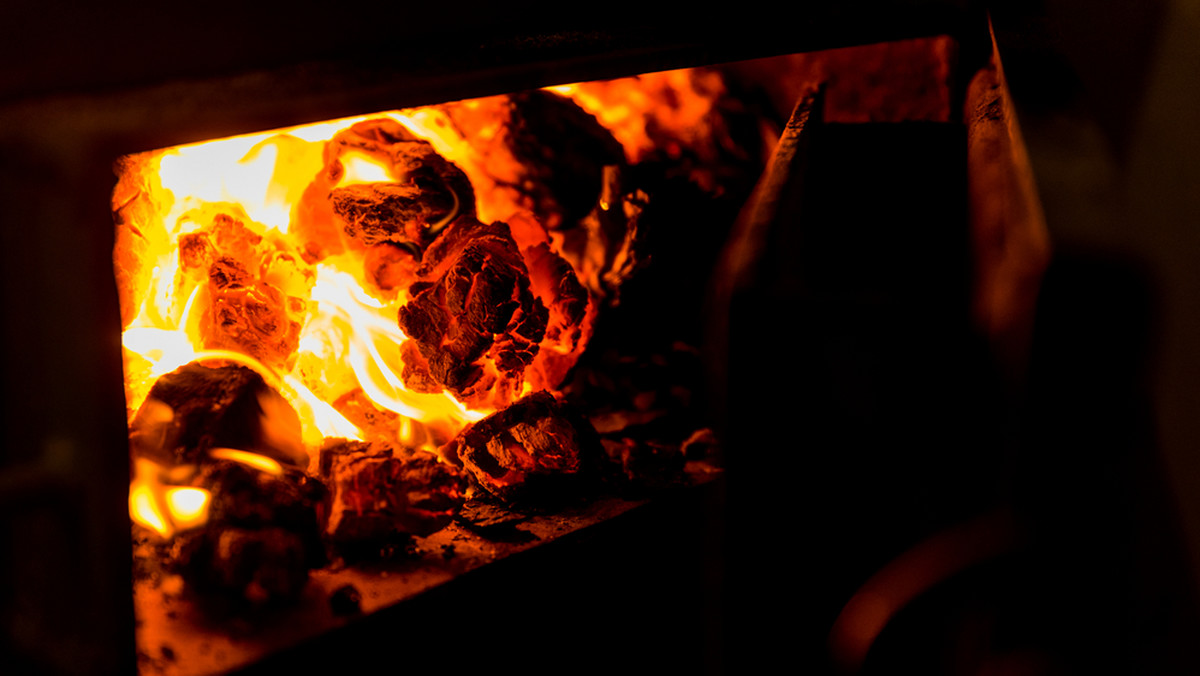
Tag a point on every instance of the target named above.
point(337, 333)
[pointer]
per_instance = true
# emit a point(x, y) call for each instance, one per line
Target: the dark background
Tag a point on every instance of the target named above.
point(1108, 95)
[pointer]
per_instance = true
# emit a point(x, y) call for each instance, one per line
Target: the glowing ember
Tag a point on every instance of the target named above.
point(654, 112)
point(390, 279)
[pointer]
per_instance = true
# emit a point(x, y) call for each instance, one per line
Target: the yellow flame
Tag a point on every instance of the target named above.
point(371, 334)
point(164, 508)
point(145, 511)
point(264, 173)
point(318, 418)
point(259, 462)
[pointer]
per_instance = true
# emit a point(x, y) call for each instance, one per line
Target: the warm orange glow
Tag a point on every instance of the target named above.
point(633, 108)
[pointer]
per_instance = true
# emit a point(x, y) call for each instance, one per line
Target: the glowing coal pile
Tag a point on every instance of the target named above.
point(339, 334)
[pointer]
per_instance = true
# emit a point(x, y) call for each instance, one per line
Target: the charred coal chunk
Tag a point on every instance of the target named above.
point(256, 566)
point(195, 409)
point(541, 154)
point(568, 324)
point(250, 496)
point(476, 316)
point(427, 194)
point(241, 310)
point(261, 538)
point(645, 464)
point(222, 236)
point(564, 149)
point(449, 345)
point(536, 448)
point(249, 318)
point(393, 212)
point(608, 247)
point(370, 136)
point(418, 164)
point(379, 492)
point(416, 374)
point(687, 123)
point(555, 282)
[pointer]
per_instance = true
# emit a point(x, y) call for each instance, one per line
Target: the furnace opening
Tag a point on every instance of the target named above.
point(367, 355)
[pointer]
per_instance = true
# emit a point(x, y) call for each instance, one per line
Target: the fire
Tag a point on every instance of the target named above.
point(262, 176)
point(354, 319)
point(159, 501)
point(306, 254)
point(145, 510)
point(243, 197)
point(162, 507)
point(360, 168)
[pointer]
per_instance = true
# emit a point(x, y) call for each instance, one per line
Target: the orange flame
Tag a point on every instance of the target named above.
point(161, 507)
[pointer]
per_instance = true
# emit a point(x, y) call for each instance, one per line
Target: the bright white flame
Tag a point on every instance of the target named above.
point(188, 506)
point(359, 168)
point(167, 350)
